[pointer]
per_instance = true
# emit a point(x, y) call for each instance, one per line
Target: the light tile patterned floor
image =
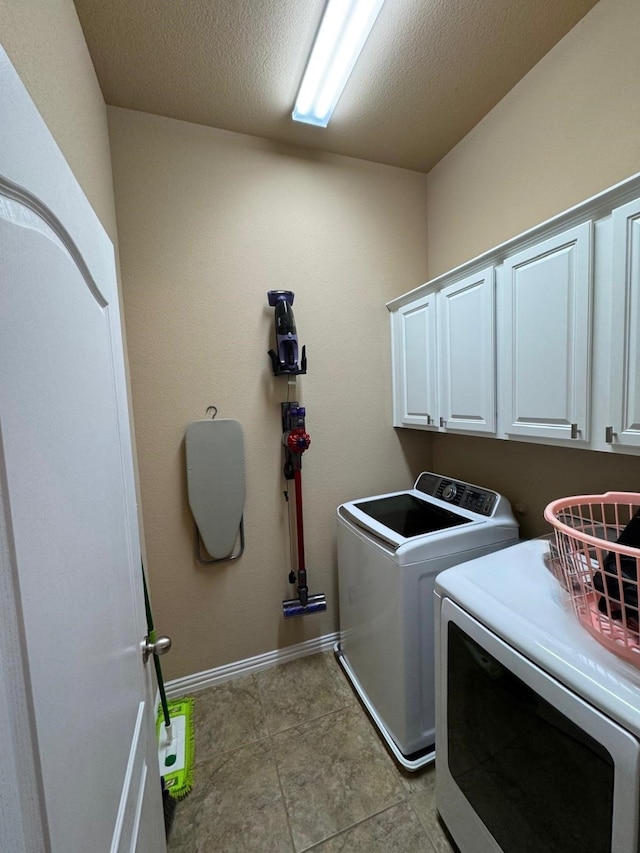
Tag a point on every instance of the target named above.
point(287, 761)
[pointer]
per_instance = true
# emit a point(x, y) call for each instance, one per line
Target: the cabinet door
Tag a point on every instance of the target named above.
point(546, 365)
point(625, 330)
point(414, 369)
point(466, 334)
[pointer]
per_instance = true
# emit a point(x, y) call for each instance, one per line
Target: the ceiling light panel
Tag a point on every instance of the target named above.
point(344, 29)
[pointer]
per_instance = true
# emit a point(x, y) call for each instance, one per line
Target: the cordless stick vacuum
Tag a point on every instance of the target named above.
point(295, 439)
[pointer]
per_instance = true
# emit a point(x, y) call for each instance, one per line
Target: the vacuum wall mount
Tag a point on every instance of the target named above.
point(295, 441)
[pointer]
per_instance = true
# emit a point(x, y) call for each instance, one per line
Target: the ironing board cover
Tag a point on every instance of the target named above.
point(215, 481)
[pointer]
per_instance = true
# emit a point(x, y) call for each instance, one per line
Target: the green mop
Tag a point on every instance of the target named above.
point(175, 737)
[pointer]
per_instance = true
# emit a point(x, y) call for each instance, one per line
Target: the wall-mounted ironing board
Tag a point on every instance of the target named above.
point(216, 486)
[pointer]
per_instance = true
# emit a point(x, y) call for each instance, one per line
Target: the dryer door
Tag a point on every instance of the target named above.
point(523, 763)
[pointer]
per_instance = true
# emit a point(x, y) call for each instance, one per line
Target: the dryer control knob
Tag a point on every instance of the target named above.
point(449, 492)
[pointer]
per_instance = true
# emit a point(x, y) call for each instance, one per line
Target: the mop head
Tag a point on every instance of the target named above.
point(176, 748)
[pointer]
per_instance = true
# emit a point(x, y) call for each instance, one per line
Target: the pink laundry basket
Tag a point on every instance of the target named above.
point(600, 575)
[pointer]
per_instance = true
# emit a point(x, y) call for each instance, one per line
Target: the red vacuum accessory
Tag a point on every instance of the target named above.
point(298, 441)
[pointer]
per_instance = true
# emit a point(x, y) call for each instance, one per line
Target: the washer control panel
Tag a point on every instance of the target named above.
point(449, 491)
point(463, 495)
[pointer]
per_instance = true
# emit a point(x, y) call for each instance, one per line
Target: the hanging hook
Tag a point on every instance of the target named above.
point(215, 411)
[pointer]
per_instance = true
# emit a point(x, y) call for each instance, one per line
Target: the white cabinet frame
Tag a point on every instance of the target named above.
point(443, 346)
point(547, 294)
point(414, 354)
point(467, 362)
point(624, 427)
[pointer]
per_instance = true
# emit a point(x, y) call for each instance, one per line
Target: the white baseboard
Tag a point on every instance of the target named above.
point(200, 680)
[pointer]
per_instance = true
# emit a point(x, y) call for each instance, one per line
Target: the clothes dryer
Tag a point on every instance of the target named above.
point(390, 549)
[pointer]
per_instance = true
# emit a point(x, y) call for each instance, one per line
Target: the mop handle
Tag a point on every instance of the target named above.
point(152, 639)
point(299, 524)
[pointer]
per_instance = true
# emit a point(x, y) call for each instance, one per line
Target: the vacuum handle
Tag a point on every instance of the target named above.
point(297, 478)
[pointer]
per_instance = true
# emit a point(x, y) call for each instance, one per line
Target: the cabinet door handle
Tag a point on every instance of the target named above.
point(443, 423)
point(575, 432)
point(609, 435)
point(429, 420)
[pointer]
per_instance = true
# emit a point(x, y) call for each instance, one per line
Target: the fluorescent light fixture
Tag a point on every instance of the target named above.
point(345, 27)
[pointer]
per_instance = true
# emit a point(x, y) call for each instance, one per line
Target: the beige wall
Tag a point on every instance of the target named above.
point(569, 129)
point(44, 41)
point(209, 221)
point(533, 475)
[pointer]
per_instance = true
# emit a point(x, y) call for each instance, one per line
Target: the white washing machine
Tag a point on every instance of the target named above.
point(390, 549)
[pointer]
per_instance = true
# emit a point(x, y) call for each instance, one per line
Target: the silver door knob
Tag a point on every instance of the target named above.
point(160, 647)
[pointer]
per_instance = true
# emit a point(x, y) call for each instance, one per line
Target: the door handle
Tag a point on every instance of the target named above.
point(609, 435)
point(159, 646)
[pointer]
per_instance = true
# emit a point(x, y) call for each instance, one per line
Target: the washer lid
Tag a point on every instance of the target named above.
point(437, 518)
point(408, 515)
point(408, 519)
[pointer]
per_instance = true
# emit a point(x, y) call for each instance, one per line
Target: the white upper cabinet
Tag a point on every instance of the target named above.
point(413, 330)
point(537, 339)
point(444, 357)
point(624, 428)
point(545, 355)
point(466, 368)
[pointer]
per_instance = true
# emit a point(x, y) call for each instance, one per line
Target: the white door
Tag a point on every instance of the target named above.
point(545, 363)
point(415, 369)
point(625, 331)
point(76, 701)
point(466, 334)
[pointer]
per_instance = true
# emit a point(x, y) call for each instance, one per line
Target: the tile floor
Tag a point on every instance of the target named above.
point(288, 761)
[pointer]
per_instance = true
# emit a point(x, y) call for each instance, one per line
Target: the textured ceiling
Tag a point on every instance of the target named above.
point(431, 69)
